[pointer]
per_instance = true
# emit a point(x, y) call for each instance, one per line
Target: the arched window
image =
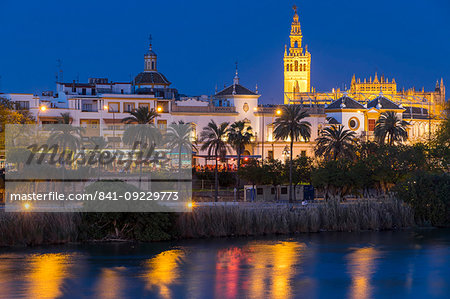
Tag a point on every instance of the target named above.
point(193, 132)
point(295, 44)
point(304, 67)
point(296, 65)
point(291, 66)
point(301, 69)
point(153, 65)
point(287, 67)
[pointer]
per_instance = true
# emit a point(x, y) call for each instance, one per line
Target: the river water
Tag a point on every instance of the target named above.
point(322, 265)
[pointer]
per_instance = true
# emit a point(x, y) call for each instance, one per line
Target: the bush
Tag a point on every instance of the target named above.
point(428, 194)
point(127, 226)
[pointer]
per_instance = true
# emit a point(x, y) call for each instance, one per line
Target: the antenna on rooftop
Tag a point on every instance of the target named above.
point(59, 74)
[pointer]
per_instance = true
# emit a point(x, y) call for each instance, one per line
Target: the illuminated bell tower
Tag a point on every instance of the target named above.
point(150, 58)
point(297, 63)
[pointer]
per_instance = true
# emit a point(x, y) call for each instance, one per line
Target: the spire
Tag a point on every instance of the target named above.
point(236, 77)
point(295, 26)
point(294, 7)
point(256, 88)
point(436, 88)
point(353, 79)
point(375, 80)
point(150, 57)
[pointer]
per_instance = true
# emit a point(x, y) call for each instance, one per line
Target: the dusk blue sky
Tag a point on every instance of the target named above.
point(197, 42)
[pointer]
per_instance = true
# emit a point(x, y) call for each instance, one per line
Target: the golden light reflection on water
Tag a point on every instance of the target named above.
point(362, 264)
point(110, 284)
point(259, 270)
point(275, 263)
point(162, 271)
point(46, 275)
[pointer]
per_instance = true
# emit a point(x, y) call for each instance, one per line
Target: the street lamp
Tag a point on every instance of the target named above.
point(42, 108)
point(106, 107)
point(159, 109)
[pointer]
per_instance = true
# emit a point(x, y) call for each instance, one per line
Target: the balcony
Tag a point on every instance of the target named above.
point(203, 109)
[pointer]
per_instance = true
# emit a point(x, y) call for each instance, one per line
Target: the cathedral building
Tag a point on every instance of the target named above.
point(102, 104)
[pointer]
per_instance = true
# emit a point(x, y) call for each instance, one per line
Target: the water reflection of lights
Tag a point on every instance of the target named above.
point(110, 284)
point(362, 264)
point(271, 269)
point(46, 274)
point(162, 271)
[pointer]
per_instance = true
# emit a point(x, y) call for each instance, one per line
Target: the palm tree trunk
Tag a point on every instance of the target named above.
point(179, 160)
point(237, 172)
point(290, 169)
point(216, 180)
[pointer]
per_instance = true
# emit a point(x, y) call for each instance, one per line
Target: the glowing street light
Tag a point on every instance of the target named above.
point(105, 107)
point(159, 109)
point(41, 108)
point(278, 112)
point(27, 206)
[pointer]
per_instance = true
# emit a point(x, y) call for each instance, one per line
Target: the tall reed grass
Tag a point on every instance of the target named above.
point(22, 229)
point(259, 219)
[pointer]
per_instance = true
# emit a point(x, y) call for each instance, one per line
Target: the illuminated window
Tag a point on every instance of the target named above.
point(371, 125)
point(162, 124)
point(296, 65)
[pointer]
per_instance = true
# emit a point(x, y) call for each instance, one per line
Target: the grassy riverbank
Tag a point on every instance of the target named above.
point(242, 220)
point(204, 222)
point(22, 229)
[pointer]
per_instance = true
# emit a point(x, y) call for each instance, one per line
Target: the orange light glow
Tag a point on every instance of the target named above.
point(43, 108)
point(278, 112)
point(105, 107)
point(159, 109)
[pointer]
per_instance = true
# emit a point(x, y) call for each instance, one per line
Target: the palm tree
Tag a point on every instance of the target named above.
point(141, 131)
point(179, 137)
point(391, 126)
point(66, 136)
point(99, 143)
point(291, 124)
point(142, 116)
point(239, 136)
point(213, 139)
point(65, 119)
point(336, 142)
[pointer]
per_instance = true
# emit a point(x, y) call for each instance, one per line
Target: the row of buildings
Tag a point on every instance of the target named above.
point(103, 103)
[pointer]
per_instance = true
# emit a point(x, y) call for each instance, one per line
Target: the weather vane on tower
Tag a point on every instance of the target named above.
point(294, 7)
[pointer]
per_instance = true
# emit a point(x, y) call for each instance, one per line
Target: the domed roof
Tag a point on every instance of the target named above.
point(150, 78)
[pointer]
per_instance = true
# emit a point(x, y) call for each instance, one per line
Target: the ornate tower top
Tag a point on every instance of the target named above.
point(295, 27)
point(150, 57)
point(236, 77)
point(295, 48)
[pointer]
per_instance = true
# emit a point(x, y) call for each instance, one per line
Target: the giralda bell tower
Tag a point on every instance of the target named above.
point(297, 64)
